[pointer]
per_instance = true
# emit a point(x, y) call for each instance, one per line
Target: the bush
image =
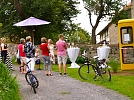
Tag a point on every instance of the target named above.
point(9, 89)
point(114, 64)
point(80, 60)
point(82, 50)
point(68, 61)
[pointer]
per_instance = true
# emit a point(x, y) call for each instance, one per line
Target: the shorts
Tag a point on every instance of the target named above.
point(23, 60)
point(37, 61)
point(62, 59)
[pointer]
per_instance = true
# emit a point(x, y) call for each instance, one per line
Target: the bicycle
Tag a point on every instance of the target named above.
point(30, 78)
point(89, 71)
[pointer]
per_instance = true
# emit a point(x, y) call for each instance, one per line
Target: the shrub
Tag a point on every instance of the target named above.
point(9, 89)
point(82, 50)
point(68, 61)
point(80, 60)
point(114, 64)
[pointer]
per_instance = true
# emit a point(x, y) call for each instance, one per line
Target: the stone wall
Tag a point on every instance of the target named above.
point(92, 49)
point(13, 49)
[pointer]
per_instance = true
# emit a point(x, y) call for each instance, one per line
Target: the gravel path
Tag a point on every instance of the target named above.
point(64, 88)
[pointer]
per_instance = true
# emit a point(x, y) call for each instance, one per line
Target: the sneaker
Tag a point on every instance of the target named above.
point(60, 74)
point(65, 74)
point(12, 69)
point(37, 68)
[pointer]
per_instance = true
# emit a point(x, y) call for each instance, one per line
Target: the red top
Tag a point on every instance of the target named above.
point(20, 48)
point(44, 49)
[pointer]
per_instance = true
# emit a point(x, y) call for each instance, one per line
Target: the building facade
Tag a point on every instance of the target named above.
point(110, 32)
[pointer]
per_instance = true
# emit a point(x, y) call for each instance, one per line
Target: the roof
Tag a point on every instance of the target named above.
point(105, 28)
point(128, 6)
point(125, 21)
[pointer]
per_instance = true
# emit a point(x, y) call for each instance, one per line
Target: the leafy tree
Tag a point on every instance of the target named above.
point(77, 34)
point(58, 12)
point(103, 9)
point(123, 14)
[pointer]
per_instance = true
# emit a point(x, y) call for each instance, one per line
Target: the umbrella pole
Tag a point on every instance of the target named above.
point(32, 35)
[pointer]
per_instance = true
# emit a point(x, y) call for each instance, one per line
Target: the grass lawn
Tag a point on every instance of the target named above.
point(122, 81)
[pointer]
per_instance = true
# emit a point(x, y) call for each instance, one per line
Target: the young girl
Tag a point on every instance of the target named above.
point(50, 43)
point(37, 59)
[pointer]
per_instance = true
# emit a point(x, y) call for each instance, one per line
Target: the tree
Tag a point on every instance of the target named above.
point(103, 9)
point(58, 12)
point(77, 34)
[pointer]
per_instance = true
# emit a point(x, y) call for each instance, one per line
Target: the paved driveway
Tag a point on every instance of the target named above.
point(64, 88)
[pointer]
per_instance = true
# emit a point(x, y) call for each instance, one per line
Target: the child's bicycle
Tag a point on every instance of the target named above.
point(31, 79)
point(89, 71)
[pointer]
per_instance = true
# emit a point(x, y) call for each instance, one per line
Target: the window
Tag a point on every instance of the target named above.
point(126, 35)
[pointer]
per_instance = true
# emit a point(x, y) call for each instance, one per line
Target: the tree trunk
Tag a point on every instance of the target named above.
point(93, 35)
point(19, 9)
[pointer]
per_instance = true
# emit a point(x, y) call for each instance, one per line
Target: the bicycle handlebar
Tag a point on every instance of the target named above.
point(28, 62)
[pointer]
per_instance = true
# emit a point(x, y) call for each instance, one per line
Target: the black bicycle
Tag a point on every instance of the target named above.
point(89, 71)
point(31, 79)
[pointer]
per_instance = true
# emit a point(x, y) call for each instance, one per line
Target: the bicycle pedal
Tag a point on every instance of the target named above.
point(103, 72)
point(95, 78)
point(108, 66)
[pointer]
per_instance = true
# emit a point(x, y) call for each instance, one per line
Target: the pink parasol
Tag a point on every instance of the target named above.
point(32, 21)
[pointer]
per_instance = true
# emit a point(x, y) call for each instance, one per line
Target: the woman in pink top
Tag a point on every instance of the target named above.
point(22, 55)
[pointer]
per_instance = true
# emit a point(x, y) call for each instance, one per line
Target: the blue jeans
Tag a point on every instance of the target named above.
point(47, 58)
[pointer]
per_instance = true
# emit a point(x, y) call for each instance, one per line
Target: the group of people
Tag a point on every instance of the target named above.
point(28, 52)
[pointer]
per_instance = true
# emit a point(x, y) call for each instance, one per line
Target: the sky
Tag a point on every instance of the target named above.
point(84, 20)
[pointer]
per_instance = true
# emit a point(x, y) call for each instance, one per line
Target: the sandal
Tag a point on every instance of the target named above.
point(47, 74)
point(50, 74)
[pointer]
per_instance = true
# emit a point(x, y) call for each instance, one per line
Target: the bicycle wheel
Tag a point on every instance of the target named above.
point(28, 76)
point(33, 84)
point(87, 72)
point(105, 74)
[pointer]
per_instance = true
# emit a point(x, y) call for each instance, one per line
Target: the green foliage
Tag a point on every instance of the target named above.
point(68, 61)
point(104, 10)
point(82, 50)
point(124, 14)
point(78, 35)
point(80, 60)
point(58, 12)
point(114, 64)
point(9, 89)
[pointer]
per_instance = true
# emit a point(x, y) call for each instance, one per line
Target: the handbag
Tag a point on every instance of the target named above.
point(18, 54)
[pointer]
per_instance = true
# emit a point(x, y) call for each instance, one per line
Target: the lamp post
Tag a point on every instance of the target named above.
point(77, 34)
